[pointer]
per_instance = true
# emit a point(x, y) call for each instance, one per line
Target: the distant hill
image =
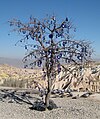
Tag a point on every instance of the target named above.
point(18, 62)
point(13, 62)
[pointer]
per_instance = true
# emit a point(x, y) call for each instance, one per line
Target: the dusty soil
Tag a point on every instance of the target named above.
point(81, 108)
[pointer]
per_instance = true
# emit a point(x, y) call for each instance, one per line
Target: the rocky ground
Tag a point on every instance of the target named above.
point(81, 108)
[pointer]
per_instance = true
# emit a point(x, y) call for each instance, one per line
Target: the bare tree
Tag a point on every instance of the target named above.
point(49, 44)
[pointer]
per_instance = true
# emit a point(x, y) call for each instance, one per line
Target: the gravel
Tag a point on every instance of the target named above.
point(68, 109)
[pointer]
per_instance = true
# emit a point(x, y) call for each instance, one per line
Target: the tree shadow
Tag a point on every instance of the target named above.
point(40, 105)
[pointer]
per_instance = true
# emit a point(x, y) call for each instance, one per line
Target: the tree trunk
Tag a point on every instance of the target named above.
point(49, 68)
point(47, 98)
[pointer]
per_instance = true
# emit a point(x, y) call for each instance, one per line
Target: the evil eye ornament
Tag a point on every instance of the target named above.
point(63, 25)
point(43, 38)
point(39, 63)
point(18, 25)
point(85, 49)
point(64, 53)
point(58, 65)
point(82, 49)
point(64, 44)
point(66, 19)
point(86, 54)
point(59, 69)
point(32, 37)
point(27, 36)
point(48, 42)
point(51, 36)
point(25, 47)
point(69, 61)
point(25, 66)
point(23, 32)
point(35, 57)
point(21, 41)
point(11, 24)
point(66, 60)
point(57, 49)
point(79, 57)
point(59, 44)
point(77, 46)
point(25, 59)
point(59, 56)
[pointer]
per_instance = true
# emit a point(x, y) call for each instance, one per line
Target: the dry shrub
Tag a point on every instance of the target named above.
point(14, 83)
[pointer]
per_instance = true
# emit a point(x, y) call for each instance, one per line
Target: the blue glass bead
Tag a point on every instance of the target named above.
point(23, 32)
point(27, 36)
point(60, 44)
point(51, 36)
point(35, 56)
point(64, 44)
point(60, 54)
point(25, 47)
point(85, 49)
point(66, 19)
point(79, 57)
point(43, 38)
point(77, 46)
point(63, 26)
point(25, 66)
point(82, 49)
point(21, 41)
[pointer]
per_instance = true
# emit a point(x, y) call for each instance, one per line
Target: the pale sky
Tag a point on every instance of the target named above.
point(84, 14)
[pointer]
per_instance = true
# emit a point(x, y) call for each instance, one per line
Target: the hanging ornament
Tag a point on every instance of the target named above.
point(74, 29)
point(43, 38)
point(64, 53)
point(64, 44)
point(51, 22)
point(25, 59)
point(19, 25)
point(63, 25)
point(69, 61)
point(85, 49)
point(27, 36)
point(43, 69)
point(66, 19)
point(86, 54)
point(39, 63)
point(25, 47)
point(23, 32)
point(31, 67)
point(34, 63)
point(51, 36)
point(59, 69)
point(25, 66)
point(34, 46)
point(35, 57)
point(21, 41)
point(11, 24)
point(48, 42)
point(32, 37)
point(59, 44)
point(79, 57)
point(38, 23)
point(66, 60)
point(77, 46)
point(82, 50)
point(59, 56)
